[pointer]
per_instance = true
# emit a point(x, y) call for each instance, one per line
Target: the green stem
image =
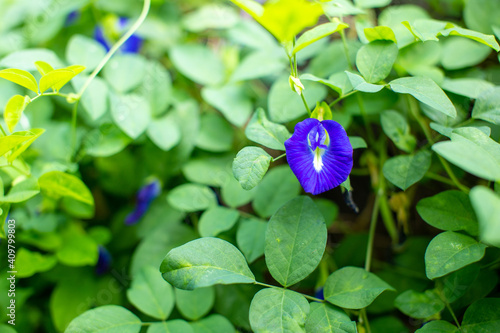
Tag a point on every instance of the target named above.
point(277, 158)
point(371, 137)
point(306, 296)
point(346, 49)
point(341, 98)
point(364, 318)
point(439, 178)
point(49, 94)
point(305, 103)
point(74, 114)
point(371, 234)
point(121, 41)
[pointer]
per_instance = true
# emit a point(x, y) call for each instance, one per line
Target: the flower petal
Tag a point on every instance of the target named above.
point(319, 171)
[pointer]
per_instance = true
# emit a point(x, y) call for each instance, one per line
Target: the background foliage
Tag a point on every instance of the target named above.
point(170, 160)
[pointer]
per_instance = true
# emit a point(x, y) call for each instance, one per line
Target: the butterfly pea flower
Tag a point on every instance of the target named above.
point(112, 30)
point(145, 197)
point(104, 261)
point(72, 18)
point(319, 154)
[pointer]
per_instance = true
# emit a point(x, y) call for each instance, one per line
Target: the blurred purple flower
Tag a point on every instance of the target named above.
point(319, 294)
point(319, 154)
point(104, 261)
point(132, 45)
point(72, 18)
point(145, 196)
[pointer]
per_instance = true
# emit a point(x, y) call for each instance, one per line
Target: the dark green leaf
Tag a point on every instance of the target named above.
point(265, 132)
point(250, 165)
point(419, 305)
point(405, 170)
point(375, 60)
point(325, 318)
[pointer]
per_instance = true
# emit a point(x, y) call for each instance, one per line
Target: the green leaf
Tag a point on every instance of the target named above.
point(406, 170)
point(25, 59)
point(277, 188)
point(482, 316)
point(95, 100)
point(265, 132)
point(295, 241)
point(353, 288)
point(199, 63)
point(210, 16)
point(84, 50)
point(250, 165)
point(380, 33)
point(474, 152)
point(231, 100)
point(22, 191)
point(332, 84)
point(472, 88)
point(7, 143)
point(278, 310)
point(151, 294)
point(251, 238)
point(77, 249)
point(211, 171)
point(171, 326)
point(481, 15)
point(487, 207)
point(450, 211)
point(57, 78)
point(31, 136)
point(375, 60)
point(43, 67)
point(29, 263)
point(316, 33)
point(233, 195)
point(131, 113)
point(456, 284)
point(359, 83)
point(325, 318)
point(14, 109)
point(459, 53)
point(397, 129)
point(108, 318)
point(450, 251)
point(419, 305)
point(285, 105)
point(191, 197)
point(216, 220)
point(357, 142)
point(214, 323)
point(426, 91)
point(438, 326)
point(487, 105)
point(372, 3)
point(195, 304)
point(164, 132)
point(205, 262)
point(20, 77)
point(488, 40)
point(125, 72)
point(59, 184)
point(216, 134)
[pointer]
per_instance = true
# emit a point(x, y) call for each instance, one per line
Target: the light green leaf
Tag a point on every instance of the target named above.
point(487, 207)
point(450, 251)
point(250, 165)
point(131, 113)
point(438, 326)
point(476, 153)
point(57, 78)
point(212, 170)
point(251, 238)
point(14, 109)
point(59, 184)
point(216, 134)
point(449, 210)
point(29, 263)
point(205, 262)
point(20, 77)
point(171, 326)
point(357, 142)
point(278, 310)
point(380, 33)
point(210, 16)
point(25, 59)
point(216, 220)
point(426, 91)
point(481, 15)
point(472, 88)
point(233, 195)
point(405, 170)
point(43, 67)
point(259, 64)
point(84, 50)
point(108, 318)
point(22, 191)
point(295, 241)
point(199, 63)
point(165, 132)
point(359, 83)
point(77, 249)
point(18, 142)
point(96, 97)
point(353, 288)
point(335, 86)
point(459, 53)
point(125, 72)
point(195, 304)
point(488, 40)
point(482, 316)
point(419, 305)
point(231, 101)
point(375, 60)
point(317, 33)
point(487, 105)
point(325, 318)
point(277, 188)
point(396, 127)
point(265, 132)
point(151, 294)
point(191, 197)
point(372, 3)
point(214, 323)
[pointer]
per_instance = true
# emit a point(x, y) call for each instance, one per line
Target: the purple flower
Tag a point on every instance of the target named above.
point(102, 35)
point(72, 18)
point(319, 154)
point(104, 261)
point(145, 196)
